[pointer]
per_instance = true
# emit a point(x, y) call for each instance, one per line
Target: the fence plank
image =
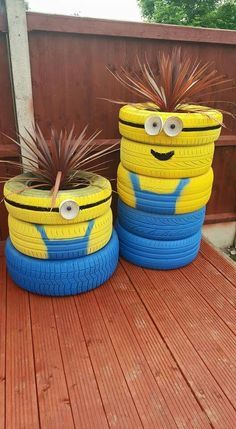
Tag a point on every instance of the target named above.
point(70, 24)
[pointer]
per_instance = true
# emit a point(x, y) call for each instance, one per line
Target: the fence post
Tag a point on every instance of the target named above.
point(19, 61)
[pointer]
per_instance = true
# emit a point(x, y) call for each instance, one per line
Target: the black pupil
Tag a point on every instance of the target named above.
point(68, 208)
point(172, 126)
point(154, 124)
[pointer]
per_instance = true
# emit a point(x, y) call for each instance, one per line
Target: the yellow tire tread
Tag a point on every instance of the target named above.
point(186, 161)
point(97, 191)
point(27, 239)
point(132, 114)
point(194, 196)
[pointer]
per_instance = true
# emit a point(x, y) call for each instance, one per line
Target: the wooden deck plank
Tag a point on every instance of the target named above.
point(214, 342)
point(212, 295)
point(53, 398)
point(84, 394)
point(217, 280)
point(223, 264)
point(179, 398)
point(3, 282)
point(146, 393)
point(117, 400)
point(208, 392)
point(21, 397)
point(148, 349)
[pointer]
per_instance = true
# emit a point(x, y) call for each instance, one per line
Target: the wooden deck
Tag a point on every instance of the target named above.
point(149, 349)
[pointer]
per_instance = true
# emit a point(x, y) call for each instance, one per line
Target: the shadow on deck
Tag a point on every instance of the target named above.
point(148, 349)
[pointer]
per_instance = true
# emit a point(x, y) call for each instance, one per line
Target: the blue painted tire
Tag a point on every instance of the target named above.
point(65, 277)
point(157, 226)
point(158, 254)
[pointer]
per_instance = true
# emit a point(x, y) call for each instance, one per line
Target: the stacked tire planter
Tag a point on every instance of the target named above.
point(64, 250)
point(164, 183)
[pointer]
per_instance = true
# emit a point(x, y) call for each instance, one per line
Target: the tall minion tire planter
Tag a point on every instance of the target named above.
point(61, 237)
point(165, 176)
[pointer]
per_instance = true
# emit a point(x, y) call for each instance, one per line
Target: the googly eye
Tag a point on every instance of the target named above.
point(153, 125)
point(69, 209)
point(173, 126)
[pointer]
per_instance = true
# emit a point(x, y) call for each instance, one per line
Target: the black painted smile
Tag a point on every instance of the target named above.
point(162, 156)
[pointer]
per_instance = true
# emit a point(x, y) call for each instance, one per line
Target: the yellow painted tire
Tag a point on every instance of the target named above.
point(198, 129)
point(184, 162)
point(34, 205)
point(60, 241)
point(164, 196)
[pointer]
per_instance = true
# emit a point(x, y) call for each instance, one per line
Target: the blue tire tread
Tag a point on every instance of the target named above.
point(63, 277)
point(158, 254)
point(157, 226)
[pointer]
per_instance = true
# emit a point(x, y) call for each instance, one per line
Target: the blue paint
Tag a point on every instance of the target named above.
point(154, 202)
point(69, 248)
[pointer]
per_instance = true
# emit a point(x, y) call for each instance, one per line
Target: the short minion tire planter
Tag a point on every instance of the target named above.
point(61, 240)
point(165, 176)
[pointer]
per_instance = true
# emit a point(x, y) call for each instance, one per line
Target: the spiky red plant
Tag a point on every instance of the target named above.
point(177, 83)
point(56, 164)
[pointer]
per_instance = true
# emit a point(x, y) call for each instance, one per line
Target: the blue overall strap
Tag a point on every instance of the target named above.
point(52, 243)
point(154, 201)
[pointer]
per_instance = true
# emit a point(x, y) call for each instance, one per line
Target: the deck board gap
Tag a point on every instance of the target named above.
point(117, 357)
point(203, 365)
point(212, 275)
point(90, 361)
point(140, 353)
point(59, 344)
point(213, 308)
point(34, 363)
point(226, 266)
point(167, 345)
point(5, 337)
point(185, 330)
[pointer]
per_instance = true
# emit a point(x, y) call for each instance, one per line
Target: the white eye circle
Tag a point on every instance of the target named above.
point(153, 125)
point(173, 126)
point(69, 209)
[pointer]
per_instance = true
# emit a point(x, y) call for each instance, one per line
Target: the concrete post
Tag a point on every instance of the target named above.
point(20, 70)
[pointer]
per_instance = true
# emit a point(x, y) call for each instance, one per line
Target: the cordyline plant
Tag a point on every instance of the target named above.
point(178, 83)
point(58, 164)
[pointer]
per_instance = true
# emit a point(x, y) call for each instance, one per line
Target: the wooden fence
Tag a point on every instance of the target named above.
point(69, 56)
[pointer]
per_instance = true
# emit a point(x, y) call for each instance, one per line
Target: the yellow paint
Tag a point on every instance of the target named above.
point(134, 115)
